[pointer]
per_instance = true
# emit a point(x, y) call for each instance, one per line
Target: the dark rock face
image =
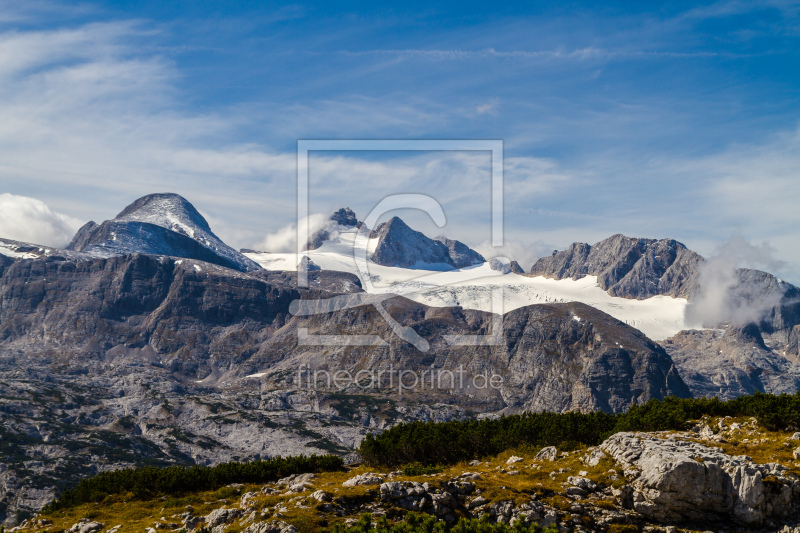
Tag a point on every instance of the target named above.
point(515, 268)
point(401, 246)
point(159, 224)
point(793, 345)
point(732, 363)
point(5, 262)
point(345, 217)
point(627, 267)
point(548, 359)
point(82, 239)
point(460, 254)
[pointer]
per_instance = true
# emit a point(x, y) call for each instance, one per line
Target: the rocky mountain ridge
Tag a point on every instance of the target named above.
point(627, 267)
point(643, 268)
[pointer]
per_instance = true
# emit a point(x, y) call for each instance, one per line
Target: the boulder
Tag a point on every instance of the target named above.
point(583, 483)
point(85, 525)
point(294, 479)
point(274, 526)
point(550, 453)
point(593, 459)
point(363, 479)
point(675, 480)
point(219, 517)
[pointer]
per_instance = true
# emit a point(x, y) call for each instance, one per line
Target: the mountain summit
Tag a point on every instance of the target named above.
point(627, 267)
point(159, 224)
point(399, 245)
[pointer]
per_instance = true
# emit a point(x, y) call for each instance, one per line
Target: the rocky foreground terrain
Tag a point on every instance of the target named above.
point(724, 474)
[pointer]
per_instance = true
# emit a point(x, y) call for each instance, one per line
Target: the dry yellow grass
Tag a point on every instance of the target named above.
point(499, 481)
point(496, 484)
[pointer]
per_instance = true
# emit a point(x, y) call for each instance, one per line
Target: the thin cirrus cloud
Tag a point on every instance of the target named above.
point(645, 123)
point(85, 115)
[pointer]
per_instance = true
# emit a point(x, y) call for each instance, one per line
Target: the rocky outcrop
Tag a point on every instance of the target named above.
point(399, 245)
point(505, 266)
point(344, 218)
point(86, 526)
point(159, 224)
point(730, 363)
point(678, 480)
point(627, 267)
point(368, 478)
point(218, 517)
point(308, 265)
point(460, 254)
point(548, 453)
point(273, 526)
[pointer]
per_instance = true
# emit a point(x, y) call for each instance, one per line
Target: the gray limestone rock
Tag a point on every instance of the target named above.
point(677, 480)
point(627, 267)
point(399, 245)
point(548, 453)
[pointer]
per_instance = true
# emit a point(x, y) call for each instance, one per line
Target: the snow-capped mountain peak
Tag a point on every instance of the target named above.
point(159, 224)
point(168, 210)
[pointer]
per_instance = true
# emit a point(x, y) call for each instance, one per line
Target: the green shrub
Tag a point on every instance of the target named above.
point(416, 469)
point(148, 482)
point(425, 523)
point(431, 443)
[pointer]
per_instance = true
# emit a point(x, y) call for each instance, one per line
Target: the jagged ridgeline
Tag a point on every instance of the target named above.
point(149, 482)
point(430, 443)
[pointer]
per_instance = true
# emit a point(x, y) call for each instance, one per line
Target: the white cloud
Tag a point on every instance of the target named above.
point(489, 107)
point(723, 298)
point(523, 252)
point(30, 220)
point(285, 239)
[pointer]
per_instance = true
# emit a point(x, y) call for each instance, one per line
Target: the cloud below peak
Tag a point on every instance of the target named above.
point(30, 220)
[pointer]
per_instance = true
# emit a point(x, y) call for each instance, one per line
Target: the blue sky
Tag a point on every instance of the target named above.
point(674, 120)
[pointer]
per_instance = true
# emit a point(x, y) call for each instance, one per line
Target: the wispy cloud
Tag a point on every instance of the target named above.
point(612, 121)
point(86, 115)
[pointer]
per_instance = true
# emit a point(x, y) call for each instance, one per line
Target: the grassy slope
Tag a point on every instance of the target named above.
point(496, 485)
